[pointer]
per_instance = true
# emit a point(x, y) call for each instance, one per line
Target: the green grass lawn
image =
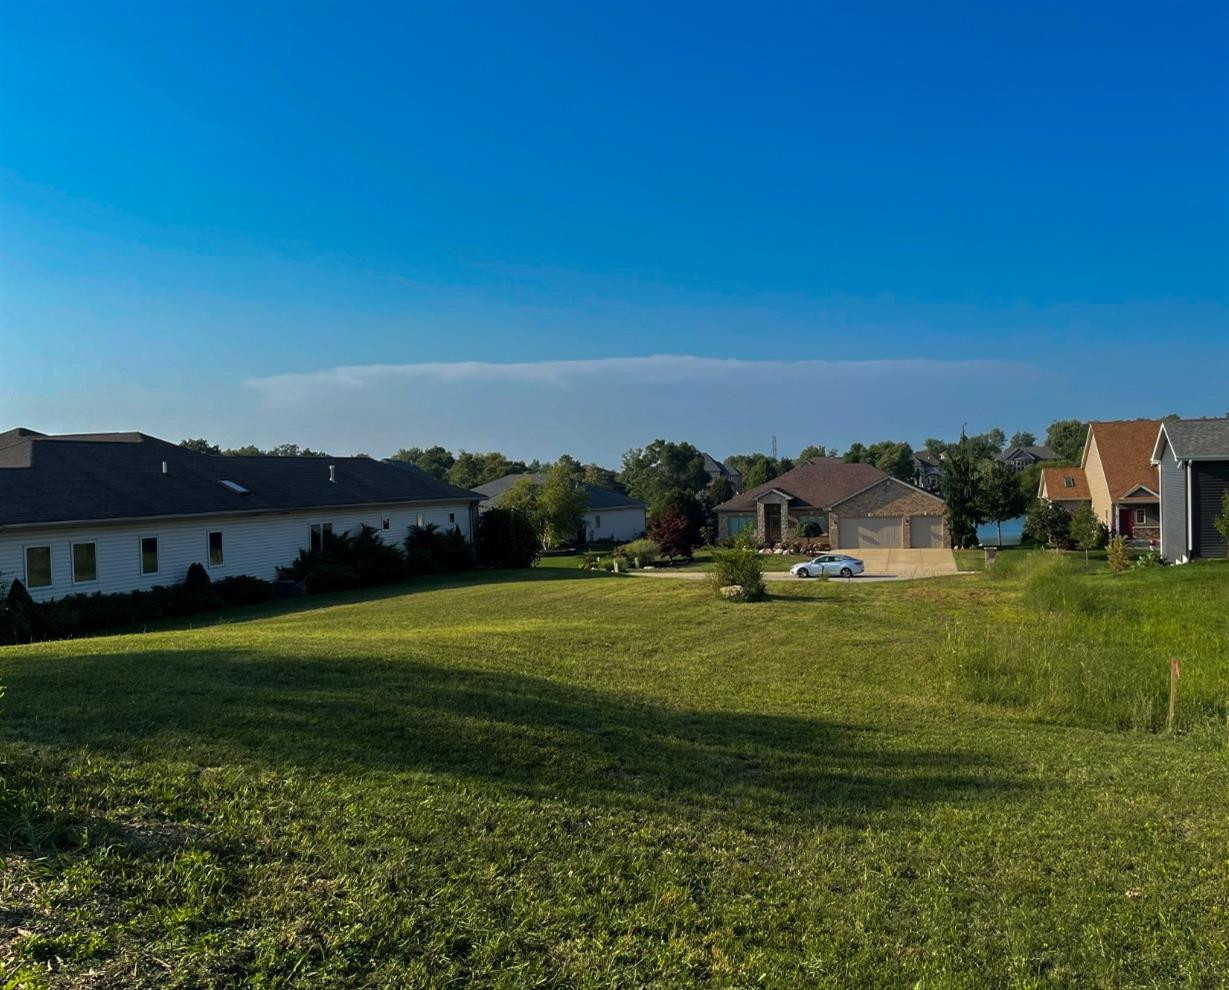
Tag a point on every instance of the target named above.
point(562, 779)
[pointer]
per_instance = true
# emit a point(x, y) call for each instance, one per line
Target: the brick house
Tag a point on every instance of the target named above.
point(855, 506)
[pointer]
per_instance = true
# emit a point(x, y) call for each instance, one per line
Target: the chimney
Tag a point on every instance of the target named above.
point(164, 470)
point(333, 473)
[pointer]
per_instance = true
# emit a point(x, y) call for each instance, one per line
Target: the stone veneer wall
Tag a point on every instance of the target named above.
point(889, 498)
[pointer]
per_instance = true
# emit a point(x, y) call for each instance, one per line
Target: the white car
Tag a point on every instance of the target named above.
point(840, 564)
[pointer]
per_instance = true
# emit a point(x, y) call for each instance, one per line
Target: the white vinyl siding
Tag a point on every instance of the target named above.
point(620, 525)
point(255, 545)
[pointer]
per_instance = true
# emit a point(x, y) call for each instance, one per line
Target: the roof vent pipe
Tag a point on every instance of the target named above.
point(164, 470)
point(333, 473)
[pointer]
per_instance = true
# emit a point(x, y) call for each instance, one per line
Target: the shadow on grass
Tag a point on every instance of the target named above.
point(530, 735)
point(356, 596)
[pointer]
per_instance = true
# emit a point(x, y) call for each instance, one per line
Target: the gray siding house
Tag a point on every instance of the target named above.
point(1192, 456)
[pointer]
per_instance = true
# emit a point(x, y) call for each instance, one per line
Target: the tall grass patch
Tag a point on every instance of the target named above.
point(1093, 649)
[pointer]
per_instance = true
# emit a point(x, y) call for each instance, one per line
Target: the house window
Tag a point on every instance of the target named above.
point(597, 522)
point(38, 567)
point(385, 522)
point(420, 520)
point(85, 562)
point(215, 548)
point(738, 524)
point(452, 518)
point(1141, 517)
point(149, 555)
point(1068, 482)
point(317, 535)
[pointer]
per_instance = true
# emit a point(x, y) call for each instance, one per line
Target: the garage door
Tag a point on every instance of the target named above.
point(926, 531)
point(867, 531)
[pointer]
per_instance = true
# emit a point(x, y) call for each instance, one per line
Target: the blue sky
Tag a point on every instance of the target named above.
point(545, 228)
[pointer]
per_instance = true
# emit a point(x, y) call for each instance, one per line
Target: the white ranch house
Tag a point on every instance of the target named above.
point(116, 512)
point(610, 516)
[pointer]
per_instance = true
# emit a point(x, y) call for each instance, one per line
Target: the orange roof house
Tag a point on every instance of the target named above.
point(1116, 476)
point(1067, 485)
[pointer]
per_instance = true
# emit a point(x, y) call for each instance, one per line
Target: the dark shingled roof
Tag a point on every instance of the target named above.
point(599, 498)
point(101, 476)
point(1041, 453)
point(716, 468)
point(1198, 439)
point(819, 484)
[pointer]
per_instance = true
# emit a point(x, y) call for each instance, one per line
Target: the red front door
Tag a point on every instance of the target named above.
point(1126, 521)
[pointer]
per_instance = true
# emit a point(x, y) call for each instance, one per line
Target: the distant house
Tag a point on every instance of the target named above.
point(112, 512)
point(928, 469)
point(1064, 486)
point(855, 505)
point(1118, 476)
point(1192, 456)
point(719, 469)
point(1021, 457)
point(611, 515)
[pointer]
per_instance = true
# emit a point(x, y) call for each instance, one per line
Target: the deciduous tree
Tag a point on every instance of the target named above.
point(1086, 530)
point(1066, 438)
point(650, 473)
point(677, 524)
point(436, 461)
point(999, 495)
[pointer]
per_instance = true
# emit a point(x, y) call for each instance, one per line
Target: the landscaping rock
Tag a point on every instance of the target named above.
point(731, 591)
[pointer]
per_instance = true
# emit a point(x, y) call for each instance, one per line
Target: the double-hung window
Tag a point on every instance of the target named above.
point(215, 548)
point(1141, 517)
point(149, 555)
point(38, 567)
point(85, 562)
point(317, 534)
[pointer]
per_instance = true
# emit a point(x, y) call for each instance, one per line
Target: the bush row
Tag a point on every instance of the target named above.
point(344, 561)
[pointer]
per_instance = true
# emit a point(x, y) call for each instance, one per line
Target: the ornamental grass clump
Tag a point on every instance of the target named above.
point(738, 566)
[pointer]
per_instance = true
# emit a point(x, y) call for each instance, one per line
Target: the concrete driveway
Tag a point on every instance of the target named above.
point(881, 565)
point(886, 562)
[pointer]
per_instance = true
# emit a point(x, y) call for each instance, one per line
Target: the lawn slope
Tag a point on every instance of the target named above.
point(567, 779)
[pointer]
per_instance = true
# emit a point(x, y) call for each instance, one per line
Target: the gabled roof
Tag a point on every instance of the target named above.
point(1125, 448)
point(716, 468)
point(1037, 452)
point(1194, 439)
point(1054, 484)
point(109, 476)
point(599, 498)
point(927, 458)
point(818, 484)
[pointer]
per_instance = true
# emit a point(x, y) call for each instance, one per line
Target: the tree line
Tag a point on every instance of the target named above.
point(670, 477)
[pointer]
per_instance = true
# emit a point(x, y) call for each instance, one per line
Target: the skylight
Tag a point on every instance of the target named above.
point(1068, 482)
point(235, 487)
